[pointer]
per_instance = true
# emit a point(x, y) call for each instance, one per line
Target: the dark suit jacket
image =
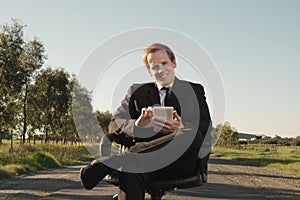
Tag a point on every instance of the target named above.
point(187, 98)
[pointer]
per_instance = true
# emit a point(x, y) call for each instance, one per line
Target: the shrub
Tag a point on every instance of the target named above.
point(242, 142)
point(44, 160)
point(296, 141)
point(4, 174)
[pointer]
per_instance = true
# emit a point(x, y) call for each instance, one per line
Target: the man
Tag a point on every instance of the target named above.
point(183, 134)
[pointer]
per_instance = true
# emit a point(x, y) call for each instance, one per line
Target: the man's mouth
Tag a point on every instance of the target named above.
point(163, 76)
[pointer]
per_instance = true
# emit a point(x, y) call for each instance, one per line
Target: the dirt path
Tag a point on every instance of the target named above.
point(227, 180)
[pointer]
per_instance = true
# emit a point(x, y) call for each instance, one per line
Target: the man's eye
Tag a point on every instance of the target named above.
point(155, 67)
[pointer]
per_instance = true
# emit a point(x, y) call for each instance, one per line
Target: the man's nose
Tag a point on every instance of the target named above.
point(161, 69)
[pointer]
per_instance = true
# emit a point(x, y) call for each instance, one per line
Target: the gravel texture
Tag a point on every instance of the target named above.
point(227, 180)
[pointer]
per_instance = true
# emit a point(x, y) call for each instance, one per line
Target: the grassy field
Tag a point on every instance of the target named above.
point(24, 158)
point(280, 158)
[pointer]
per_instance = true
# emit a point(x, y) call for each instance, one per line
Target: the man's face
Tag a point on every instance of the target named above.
point(161, 67)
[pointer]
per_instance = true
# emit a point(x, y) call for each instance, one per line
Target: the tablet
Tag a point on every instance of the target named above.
point(165, 112)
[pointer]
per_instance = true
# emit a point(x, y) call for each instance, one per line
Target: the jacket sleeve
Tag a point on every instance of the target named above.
point(205, 119)
point(122, 116)
point(128, 112)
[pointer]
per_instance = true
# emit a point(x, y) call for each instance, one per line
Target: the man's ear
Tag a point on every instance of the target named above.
point(149, 71)
point(174, 63)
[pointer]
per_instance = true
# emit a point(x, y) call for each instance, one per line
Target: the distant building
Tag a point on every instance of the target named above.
point(248, 136)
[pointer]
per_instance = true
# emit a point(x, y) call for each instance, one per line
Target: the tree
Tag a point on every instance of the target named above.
point(19, 60)
point(228, 135)
point(85, 119)
point(104, 119)
point(67, 119)
point(49, 102)
point(296, 141)
point(32, 59)
point(12, 75)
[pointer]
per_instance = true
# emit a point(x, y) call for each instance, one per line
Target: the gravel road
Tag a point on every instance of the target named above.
point(227, 180)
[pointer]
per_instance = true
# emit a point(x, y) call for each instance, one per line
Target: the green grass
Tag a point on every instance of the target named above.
point(45, 160)
point(279, 158)
point(25, 158)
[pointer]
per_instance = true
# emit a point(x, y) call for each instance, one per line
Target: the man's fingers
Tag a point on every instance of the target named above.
point(176, 116)
point(158, 123)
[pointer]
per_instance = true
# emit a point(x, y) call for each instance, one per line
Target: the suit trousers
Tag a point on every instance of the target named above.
point(132, 185)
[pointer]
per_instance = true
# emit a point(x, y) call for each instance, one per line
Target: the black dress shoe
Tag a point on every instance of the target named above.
point(92, 174)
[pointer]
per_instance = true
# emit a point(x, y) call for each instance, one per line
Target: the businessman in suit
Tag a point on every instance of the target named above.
point(134, 119)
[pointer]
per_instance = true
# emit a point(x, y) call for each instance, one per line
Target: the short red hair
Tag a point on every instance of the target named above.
point(156, 47)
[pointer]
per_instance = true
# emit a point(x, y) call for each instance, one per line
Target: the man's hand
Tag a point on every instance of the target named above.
point(167, 126)
point(145, 119)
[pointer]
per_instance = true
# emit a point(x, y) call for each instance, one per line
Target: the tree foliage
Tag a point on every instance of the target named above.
point(227, 135)
point(19, 61)
point(35, 99)
point(296, 141)
point(85, 119)
point(12, 75)
point(49, 101)
point(104, 119)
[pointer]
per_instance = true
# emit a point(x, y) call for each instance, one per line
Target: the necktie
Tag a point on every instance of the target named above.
point(167, 96)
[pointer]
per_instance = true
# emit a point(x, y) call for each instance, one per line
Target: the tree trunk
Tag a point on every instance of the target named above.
point(11, 139)
point(25, 114)
point(46, 136)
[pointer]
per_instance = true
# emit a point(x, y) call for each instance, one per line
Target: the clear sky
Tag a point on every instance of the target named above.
point(255, 45)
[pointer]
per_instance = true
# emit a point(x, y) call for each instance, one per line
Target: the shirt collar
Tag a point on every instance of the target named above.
point(159, 86)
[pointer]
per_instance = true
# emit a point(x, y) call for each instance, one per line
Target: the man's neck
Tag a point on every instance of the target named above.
point(159, 86)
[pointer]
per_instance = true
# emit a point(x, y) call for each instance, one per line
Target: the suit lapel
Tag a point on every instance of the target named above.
point(175, 93)
point(152, 95)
